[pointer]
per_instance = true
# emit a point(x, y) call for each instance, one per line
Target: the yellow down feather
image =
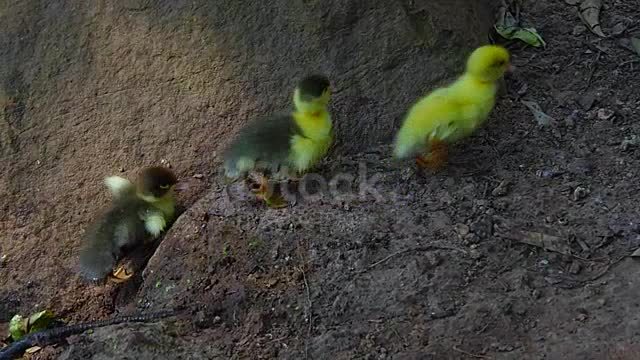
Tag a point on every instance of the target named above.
point(453, 112)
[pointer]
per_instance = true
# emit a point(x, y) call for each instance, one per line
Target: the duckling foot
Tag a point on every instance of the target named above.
point(436, 158)
point(275, 201)
point(264, 193)
point(120, 275)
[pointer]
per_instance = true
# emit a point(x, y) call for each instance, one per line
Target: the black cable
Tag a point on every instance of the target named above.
point(51, 336)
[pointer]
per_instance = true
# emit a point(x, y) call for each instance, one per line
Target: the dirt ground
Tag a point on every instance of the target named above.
point(432, 267)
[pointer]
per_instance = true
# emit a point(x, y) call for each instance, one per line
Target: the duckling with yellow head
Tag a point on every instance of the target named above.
point(286, 145)
point(451, 113)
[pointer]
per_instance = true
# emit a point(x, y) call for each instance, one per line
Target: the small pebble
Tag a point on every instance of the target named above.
point(475, 254)
point(471, 239)
point(506, 348)
point(570, 121)
point(580, 166)
point(605, 114)
point(536, 294)
point(165, 163)
point(548, 173)
point(461, 229)
point(200, 319)
point(587, 101)
point(431, 260)
point(632, 140)
point(501, 189)
point(575, 268)
point(618, 29)
point(578, 30)
point(580, 193)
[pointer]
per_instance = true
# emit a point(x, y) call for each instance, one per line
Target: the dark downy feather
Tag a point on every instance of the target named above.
point(263, 140)
point(120, 228)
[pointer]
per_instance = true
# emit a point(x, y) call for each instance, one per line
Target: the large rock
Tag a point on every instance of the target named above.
point(170, 74)
point(88, 88)
point(91, 88)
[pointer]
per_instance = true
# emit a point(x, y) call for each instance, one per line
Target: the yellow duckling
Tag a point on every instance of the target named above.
point(287, 144)
point(451, 113)
point(138, 212)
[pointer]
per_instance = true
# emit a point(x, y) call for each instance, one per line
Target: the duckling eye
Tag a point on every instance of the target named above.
point(500, 62)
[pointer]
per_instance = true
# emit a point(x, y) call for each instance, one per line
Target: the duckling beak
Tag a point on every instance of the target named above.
point(181, 186)
point(510, 68)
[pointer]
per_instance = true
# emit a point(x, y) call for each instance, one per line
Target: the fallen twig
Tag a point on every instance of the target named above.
point(547, 242)
point(603, 272)
point(309, 313)
point(632, 61)
point(417, 249)
point(455, 348)
point(593, 69)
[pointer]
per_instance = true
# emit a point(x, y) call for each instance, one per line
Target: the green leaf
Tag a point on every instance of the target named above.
point(509, 26)
point(225, 250)
point(254, 243)
point(20, 326)
point(528, 35)
point(40, 320)
point(17, 327)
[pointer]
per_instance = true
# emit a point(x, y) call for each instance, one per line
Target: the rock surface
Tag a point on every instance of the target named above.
point(428, 271)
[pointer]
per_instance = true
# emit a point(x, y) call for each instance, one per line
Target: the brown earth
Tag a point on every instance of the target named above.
point(434, 268)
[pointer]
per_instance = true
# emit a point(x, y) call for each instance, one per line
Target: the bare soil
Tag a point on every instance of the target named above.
point(434, 268)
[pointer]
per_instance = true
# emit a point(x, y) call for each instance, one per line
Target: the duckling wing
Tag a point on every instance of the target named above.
point(120, 187)
point(154, 220)
point(437, 116)
point(447, 114)
point(264, 143)
point(107, 238)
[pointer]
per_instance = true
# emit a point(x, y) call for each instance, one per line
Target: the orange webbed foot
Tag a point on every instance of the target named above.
point(264, 193)
point(436, 158)
point(120, 275)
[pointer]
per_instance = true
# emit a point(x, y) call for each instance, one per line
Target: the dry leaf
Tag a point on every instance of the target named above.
point(547, 242)
point(635, 43)
point(33, 350)
point(541, 117)
point(20, 325)
point(590, 15)
point(633, 140)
